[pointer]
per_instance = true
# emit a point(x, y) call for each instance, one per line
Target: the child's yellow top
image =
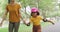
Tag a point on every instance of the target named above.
point(36, 21)
point(13, 12)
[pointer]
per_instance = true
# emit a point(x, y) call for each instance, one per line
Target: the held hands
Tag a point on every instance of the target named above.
point(26, 22)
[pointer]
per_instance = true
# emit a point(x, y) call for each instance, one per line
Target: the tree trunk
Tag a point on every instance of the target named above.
point(8, 1)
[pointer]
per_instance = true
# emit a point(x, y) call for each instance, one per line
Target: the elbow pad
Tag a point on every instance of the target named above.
point(45, 20)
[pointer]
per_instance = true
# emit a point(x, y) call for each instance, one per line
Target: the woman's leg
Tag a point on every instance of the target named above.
point(11, 26)
point(16, 27)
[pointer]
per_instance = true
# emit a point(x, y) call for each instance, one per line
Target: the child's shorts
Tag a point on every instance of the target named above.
point(36, 28)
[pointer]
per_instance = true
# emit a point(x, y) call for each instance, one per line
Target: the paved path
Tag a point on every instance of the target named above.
point(52, 28)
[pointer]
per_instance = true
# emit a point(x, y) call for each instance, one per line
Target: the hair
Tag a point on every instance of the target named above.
point(35, 12)
point(12, 0)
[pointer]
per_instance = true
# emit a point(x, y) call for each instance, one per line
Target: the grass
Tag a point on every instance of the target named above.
point(24, 28)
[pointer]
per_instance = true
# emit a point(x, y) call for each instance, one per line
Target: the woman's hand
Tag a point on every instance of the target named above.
point(1, 23)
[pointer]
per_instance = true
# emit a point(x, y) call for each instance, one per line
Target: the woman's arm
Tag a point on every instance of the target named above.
point(19, 14)
point(5, 14)
point(4, 17)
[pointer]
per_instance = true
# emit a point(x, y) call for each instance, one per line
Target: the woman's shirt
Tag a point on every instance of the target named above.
point(13, 12)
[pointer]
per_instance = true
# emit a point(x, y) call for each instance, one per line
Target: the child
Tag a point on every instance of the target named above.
point(35, 19)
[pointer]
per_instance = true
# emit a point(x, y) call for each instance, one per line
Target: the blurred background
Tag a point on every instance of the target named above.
point(47, 8)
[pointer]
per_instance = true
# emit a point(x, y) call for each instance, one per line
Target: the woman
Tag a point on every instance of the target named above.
point(14, 16)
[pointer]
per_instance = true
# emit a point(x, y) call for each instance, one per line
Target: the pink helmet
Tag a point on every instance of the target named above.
point(34, 9)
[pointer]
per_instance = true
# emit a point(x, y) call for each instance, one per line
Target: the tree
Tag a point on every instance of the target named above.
point(8, 1)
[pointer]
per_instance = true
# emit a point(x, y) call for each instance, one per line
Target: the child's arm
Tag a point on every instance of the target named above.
point(50, 21)
point(45, 20)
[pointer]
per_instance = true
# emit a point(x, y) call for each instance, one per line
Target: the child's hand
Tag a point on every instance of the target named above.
point(28, 24)
point(53, 23)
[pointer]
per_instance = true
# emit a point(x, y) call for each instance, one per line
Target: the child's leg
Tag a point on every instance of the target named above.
point(34, 28)
point(16, 27)
point(37, 28)
point(11, 27)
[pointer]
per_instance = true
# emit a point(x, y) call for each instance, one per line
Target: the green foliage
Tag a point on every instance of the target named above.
point(45, 6)
point(24, 28)
point(2, 6)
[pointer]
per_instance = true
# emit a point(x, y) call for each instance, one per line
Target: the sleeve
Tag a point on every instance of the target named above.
point(19, 6)
point(7, 8)
point(41, 17)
